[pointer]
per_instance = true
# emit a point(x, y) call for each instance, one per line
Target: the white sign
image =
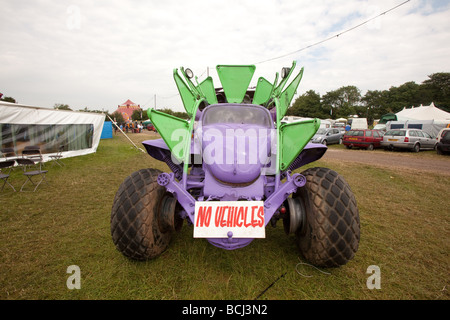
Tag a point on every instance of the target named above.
point(225, 219)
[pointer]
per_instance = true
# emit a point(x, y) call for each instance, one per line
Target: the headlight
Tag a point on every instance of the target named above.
point(189, 73)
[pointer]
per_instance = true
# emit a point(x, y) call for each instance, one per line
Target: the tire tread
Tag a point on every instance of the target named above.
point(333, 227)
point(134, 224)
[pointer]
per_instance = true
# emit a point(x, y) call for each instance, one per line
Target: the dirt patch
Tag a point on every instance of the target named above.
point(412, 161)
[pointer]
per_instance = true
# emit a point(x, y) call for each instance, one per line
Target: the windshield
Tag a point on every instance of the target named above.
point(357, 133)
point(321, 131)
point(445, 136)
point(237, 114)
point(395, 133)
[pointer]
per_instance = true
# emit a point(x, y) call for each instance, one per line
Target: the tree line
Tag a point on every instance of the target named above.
point(348, 101)
point(137, 115)
point(344, 102)
point(141, 115)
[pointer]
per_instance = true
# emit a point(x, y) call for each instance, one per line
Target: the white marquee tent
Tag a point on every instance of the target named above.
point(430, 112)
point(428, 118)
point(77, 132)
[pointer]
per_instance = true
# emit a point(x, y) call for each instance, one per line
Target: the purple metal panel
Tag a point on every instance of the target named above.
point(215, 189)
point(312, 152)
point(156, 148)
point(235, 154)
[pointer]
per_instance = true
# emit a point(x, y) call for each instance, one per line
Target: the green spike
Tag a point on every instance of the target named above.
point(262, 91)
point(285, 79)
point(174, 131)
point(207, 87)
point(287, 95)
point(293, 138)
point(186, 94)
point(191, 85)
point(235, 80)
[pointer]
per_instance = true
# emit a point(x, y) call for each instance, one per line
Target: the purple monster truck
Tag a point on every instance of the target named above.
point(232, 167)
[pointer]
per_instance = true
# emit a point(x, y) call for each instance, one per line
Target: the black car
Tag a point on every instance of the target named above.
point(443, 145)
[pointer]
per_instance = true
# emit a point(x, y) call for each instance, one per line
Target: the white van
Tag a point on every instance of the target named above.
point(325, 124)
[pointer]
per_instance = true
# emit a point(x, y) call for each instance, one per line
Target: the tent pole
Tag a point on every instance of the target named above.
point(115, 123)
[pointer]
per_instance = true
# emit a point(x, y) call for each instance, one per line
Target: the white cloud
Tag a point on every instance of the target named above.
point(98, 54)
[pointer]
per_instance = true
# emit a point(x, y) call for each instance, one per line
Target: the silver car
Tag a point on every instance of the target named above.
point(412, 139)
point(327, 136)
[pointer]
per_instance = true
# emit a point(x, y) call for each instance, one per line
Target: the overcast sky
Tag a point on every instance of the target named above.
point(98, 54)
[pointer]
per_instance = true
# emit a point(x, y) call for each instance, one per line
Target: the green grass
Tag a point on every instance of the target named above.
point(404, 231)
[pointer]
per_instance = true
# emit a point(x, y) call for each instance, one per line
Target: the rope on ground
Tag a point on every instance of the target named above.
point(310, 265)
point(115, 123)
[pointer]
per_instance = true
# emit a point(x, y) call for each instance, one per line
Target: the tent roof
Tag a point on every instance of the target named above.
point(49, 110)
point(129, 103)
point(430, 112)
point(127, 108)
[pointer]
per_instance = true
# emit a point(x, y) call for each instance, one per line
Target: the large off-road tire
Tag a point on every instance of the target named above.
point(330, 235)
point(134, 216)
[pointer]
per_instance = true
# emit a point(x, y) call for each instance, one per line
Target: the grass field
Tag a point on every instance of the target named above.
point(404, 231)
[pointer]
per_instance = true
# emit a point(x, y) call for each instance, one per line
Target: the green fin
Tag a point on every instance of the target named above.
point(173, 130)
point(287, 95)
point(262, 92)
point(294, 137)
point(207, 88)
point(186, 94)
point(235, 80)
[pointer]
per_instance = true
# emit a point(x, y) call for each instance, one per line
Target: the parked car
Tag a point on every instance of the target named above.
point(151, 127)
point(340, 126)
point(367, 139)
point(327, 136)
point(412, 139)
point(443, 142)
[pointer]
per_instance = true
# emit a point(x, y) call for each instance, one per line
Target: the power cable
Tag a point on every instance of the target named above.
point(335, 36)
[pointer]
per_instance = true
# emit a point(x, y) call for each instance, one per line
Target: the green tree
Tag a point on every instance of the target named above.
point(60, 106)
point(118, 117)
point(375, 102)
point(182, 115)
point(405, 95)
point(343, 101)
point(437, 89)
point(137, 115)
point(308, 105)
point(8, 99)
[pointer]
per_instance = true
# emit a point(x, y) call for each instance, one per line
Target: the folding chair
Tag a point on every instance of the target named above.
point(57, 157)
point(30, 174)
point(9, 153)
point(4, 176)
point(33, 153)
